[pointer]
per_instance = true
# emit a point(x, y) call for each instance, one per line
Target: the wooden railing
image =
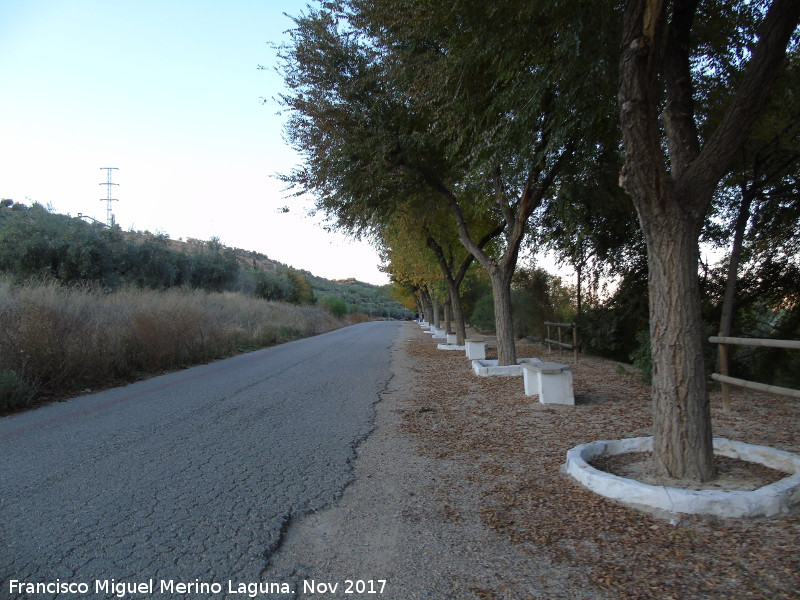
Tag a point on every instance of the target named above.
point(726, 380)
point(560, 343)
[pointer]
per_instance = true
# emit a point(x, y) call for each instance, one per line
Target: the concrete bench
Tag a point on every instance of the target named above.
point(475, 348)
point(552, 382)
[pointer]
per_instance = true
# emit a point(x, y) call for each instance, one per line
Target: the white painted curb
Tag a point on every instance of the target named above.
point(769, 501)
point(449, 347)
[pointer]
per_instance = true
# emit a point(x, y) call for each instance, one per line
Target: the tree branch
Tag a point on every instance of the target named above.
point(707, 169)
point(679, 123)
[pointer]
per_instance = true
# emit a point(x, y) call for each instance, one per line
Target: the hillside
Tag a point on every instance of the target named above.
point(35, 242)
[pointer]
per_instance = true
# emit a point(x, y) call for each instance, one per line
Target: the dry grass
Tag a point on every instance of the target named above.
point(55, 340)
point(514, 448)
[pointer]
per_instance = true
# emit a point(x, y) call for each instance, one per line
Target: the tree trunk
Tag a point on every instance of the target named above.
point(726, 318)
point(458, 311)
point(682, 441)
point(428, 303)
point(447, 315)
point(503, 318)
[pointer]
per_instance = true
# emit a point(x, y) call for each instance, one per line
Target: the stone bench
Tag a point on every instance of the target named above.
point(552, 382)
point(475, 348)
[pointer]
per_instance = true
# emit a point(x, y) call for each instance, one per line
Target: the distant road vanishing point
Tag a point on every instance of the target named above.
point(190, 477)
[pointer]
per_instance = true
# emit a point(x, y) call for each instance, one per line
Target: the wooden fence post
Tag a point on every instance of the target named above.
point(560, 343)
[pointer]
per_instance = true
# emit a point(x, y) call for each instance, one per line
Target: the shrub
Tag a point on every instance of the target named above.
point(641, 358)
point(302, 292)
point(335, 306)
point(15, 393)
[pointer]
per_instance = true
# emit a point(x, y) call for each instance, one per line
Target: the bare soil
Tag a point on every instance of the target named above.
point(459, 493)
point(732, 473)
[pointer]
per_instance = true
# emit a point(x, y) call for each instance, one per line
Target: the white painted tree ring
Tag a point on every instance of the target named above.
point(769, 501)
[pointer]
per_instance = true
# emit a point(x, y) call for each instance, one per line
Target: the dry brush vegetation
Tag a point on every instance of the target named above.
point(57, 339)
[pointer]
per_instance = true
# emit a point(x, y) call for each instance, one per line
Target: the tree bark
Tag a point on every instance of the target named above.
point(458, 312)
point(503, 317)
point(682, 444)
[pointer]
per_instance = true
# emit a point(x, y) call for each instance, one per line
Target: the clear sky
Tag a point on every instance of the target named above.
point(170, 93)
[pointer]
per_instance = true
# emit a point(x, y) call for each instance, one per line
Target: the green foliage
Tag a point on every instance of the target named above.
point(609, 328)
point(483, 314)
point(477, 287)
point(336, 306)
point(15, 393)
point(272, 285)
point(154, 264)
point(361, 297)
point(37, 243)
point(537, 297)
point(642, 357)
point(212, 266)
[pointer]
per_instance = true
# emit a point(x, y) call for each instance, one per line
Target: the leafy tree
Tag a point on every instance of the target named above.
point(301, 293)
point(592, 224)
point(423, 249)
point(610, 327)
point(483, 314)
point(671, 172)
point(212, 266)
point(36, 242)
point(401, 97)
point(273, 285)
point(538, 297)
point(510, 109)
point(154, 264)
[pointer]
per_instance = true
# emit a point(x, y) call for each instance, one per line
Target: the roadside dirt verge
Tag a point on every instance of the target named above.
point(458, 494)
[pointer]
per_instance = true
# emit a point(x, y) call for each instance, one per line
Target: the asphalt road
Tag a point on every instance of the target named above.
point(189, 477)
